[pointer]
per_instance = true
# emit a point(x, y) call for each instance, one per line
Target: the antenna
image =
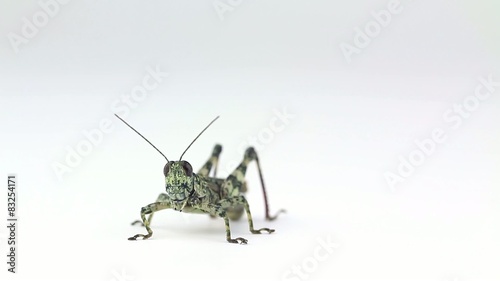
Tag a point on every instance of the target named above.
point(198, 136)
point(143, 136)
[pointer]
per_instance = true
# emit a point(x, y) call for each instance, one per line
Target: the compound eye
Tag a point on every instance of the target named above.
point(166, 169)
point(187, 168)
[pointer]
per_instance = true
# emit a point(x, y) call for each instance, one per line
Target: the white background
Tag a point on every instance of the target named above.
point(352, 123)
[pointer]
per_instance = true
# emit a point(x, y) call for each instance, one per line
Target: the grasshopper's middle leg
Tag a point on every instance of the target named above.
point(149, 210)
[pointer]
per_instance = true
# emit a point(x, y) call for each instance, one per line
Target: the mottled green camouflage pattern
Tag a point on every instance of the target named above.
point(198, 193)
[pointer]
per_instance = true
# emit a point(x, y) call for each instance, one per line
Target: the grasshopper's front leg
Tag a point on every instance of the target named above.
point(149, 210)
point(240, 240)
point(161, 198)
point(221, 208)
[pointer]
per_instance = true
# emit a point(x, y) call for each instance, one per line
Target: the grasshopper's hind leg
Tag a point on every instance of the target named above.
point(211, 162)
point(161, 198)
point(234, 213)
point(235, 183)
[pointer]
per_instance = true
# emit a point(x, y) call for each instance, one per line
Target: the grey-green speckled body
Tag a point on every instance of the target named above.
point(190, 192)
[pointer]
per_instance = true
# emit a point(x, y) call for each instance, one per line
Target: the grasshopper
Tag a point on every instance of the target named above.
point(190, 192)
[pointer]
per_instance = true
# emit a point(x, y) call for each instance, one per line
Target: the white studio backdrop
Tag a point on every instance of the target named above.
point(376, 124)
